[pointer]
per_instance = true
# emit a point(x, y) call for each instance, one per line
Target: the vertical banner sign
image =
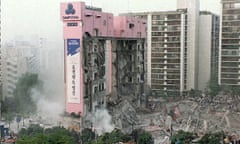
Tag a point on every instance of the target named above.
point(73, 70)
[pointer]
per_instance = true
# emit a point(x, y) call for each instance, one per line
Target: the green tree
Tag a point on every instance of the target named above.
point(194, 93)
point(142, 137)
point(32, 130)
point(21, 103)
point(22, 93)
point(115, 136)
point(38, 135)
point(145, 138)
point(212, 87)
point(212, 138)
point(233, 91)
point(87, 135)
point(8, 108)
point(182, 136)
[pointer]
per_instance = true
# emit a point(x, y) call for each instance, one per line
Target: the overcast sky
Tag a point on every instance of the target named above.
point(41, 17)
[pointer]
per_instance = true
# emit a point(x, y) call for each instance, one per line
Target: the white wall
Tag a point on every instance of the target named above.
point(149, 49)
point(205, 40)
point(192, 42)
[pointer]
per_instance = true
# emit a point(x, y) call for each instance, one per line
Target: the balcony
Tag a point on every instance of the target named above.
point(229, 81)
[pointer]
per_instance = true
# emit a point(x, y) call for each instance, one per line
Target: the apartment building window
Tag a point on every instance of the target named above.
point(226, 5)
point(129, 47)
point(96, 32)
point(157, 66)
point(130, 57)
point(101, 87)
point(231, 5)
point(154, 22)
point(95, 48)
point(157, 17)
point(95, 89)
point(157, 87)
point(130, 79)
point(131, 26)
point(157, 71)
point(95, 76)
point(138, 47)
point(157, 34)
point(154, 17)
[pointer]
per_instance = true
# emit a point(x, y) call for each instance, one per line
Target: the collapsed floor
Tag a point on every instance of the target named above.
point(200, 115)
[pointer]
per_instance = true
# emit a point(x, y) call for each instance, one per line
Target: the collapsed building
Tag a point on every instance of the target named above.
point(104, 58)
point(105, 64)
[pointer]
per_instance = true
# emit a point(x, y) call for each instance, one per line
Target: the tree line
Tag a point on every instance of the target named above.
point(59, 135)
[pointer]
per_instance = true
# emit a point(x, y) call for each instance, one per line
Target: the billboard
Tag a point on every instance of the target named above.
point(73, 70)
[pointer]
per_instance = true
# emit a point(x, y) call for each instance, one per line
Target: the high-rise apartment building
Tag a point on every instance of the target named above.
point(191, 53)
point(229, 60)
point(19, 58)
point(208, 48)
point(166, 43)
point(182, 48)
point(172, 48)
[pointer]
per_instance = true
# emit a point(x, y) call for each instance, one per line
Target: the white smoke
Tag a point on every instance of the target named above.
point(51, 100)
point(49, 111)
point(101, 121)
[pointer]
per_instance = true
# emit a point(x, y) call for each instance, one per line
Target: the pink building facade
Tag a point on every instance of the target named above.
point(83, 77)
point(129, 27)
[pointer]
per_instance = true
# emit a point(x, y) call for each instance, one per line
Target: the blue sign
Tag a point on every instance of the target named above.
point(73, 46)
point(70, 9)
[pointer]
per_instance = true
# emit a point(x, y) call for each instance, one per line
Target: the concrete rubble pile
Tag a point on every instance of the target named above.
point(200, 115)
point(124, 116)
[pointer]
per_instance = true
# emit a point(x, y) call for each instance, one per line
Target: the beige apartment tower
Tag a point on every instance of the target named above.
point(172, 48)
point(229, 58)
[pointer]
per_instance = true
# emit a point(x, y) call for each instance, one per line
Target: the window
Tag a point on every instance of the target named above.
point(129, 79)
point(131, 25)
point(100, 87)
point(95, 32)
point(95, 75)
point(95, 89)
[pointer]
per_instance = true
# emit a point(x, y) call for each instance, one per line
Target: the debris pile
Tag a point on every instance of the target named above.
point(199, 115)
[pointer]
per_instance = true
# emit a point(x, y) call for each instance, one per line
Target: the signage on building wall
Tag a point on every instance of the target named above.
point(70, 9)
point(73, 70)
point(70, 13)
point(72, 24)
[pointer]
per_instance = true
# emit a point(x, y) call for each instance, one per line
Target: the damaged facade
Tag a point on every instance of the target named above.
point(104, 58)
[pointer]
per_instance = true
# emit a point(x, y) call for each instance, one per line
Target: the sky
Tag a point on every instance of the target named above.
point(42, 17)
